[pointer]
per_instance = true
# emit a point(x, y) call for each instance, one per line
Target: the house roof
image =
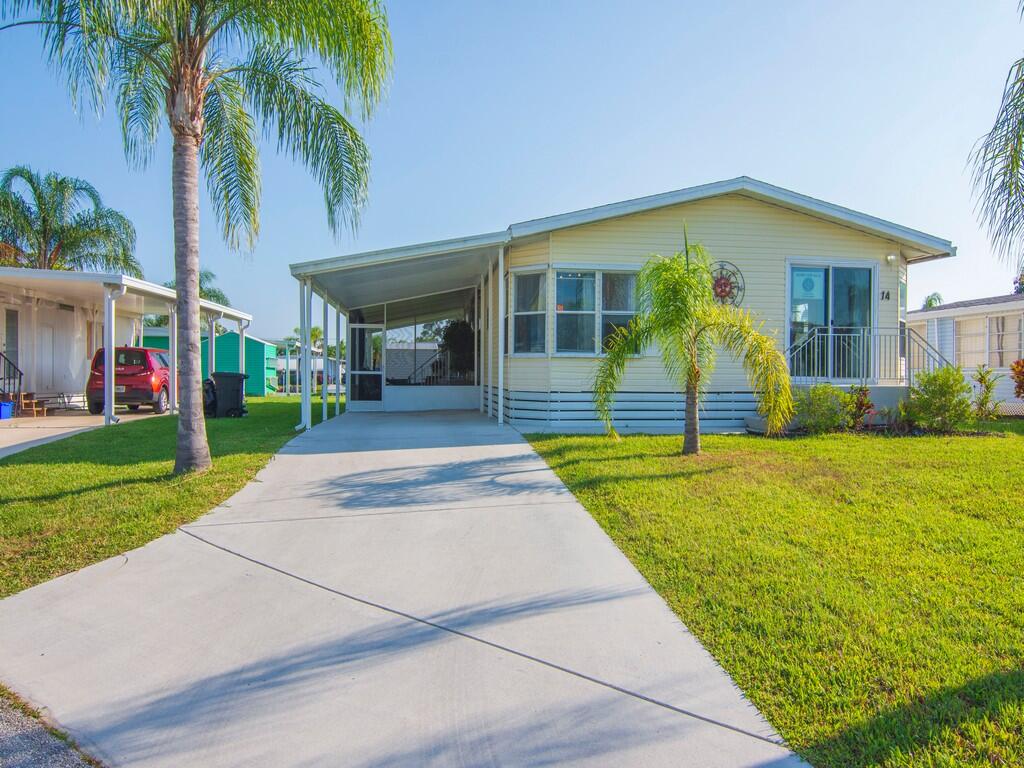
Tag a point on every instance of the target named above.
point(373, 277)
point(141, 296)
point(1010, 302)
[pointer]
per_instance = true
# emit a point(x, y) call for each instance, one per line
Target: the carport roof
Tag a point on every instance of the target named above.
point(373, 277)
point(141, 296)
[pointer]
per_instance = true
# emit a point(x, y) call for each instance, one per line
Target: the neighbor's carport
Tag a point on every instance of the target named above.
point(117, 292)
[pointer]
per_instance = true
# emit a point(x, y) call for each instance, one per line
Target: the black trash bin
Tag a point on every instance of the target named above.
point(209, 398)
point(230, 388)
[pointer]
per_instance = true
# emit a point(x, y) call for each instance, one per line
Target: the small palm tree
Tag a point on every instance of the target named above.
point(678, 312)
point(215, 72)
point(932, 300)
point(61, 223)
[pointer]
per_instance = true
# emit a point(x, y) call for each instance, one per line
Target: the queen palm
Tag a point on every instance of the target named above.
point(679, 314)
point(60, 222)
point(213, 72)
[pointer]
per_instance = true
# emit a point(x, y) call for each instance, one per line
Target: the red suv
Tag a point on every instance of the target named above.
point(141, 376)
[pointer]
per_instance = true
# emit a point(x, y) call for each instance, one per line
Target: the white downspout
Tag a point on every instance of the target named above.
point(480, 342)
point(299, 366)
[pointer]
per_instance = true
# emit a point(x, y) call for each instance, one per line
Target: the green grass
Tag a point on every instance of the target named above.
point(866, 592)
point(79, 500)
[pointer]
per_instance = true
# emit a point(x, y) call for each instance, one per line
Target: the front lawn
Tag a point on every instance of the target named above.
point(867, 593)
point(79, 500)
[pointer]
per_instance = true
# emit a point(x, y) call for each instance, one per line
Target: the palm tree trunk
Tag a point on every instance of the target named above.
point(691, 438)
point(192, 453)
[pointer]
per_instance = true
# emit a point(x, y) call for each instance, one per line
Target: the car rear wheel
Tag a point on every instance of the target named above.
point(160, 406)
point(133, 406)
point(95, 407)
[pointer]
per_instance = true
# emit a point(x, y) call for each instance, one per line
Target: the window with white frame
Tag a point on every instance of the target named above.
point(529, 330)
point(618, 302)
point(575, 312)
point(1004, 339)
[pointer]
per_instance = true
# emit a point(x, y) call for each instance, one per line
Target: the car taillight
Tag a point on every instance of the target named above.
point(154, 381)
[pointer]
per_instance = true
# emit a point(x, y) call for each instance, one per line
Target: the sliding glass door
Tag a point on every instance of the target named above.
point(830, 321)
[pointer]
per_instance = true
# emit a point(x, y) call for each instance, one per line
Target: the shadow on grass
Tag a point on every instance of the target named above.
point(970, 715)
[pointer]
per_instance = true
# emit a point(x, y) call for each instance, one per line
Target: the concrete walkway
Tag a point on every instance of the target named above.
point(20, 434)
point(392, 590)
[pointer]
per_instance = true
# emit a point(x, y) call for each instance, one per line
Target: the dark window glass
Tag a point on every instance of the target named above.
point(609, 322)
point(575, 292)
point(575, 333)
point(618, 292)
point(529, 333)
point(530, 293)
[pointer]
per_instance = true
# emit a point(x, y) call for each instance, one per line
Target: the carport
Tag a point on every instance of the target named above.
point(34, 292)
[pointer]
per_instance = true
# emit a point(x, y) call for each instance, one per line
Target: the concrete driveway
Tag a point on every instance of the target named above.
point(392, 590)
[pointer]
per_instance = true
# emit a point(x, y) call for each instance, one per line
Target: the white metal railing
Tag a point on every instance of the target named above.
point(862, 356)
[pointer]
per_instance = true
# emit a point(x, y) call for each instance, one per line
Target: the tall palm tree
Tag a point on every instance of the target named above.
point(678, 312)
point(61, 223)
point(208, 290)
point(216, 71)
point(998, 161)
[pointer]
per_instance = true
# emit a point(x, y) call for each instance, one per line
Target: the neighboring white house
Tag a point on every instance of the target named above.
point(541, 296)
point(52, 322)
point(987, 331)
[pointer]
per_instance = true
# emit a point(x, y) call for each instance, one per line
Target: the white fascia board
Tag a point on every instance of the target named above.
point(384, 256)
point(936, 247)
point(131, 284)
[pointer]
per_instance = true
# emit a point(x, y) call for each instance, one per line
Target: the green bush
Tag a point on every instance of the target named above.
point(986, 407)
point(940, 401)
point(860, 405)
point(824, 408)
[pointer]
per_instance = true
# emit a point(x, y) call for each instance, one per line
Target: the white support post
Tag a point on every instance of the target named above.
point(479, 351)
point(287, 367)
point(211, 346)
point(241, 346)
point(501, 335)
point(299, 366)
point(490, 329)
point(324, 348)
point(307, 341)
point(172, 348)
point(337, 362)
point(111, 295)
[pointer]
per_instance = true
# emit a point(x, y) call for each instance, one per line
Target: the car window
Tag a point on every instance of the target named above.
point(165, 361)
point(123, 357)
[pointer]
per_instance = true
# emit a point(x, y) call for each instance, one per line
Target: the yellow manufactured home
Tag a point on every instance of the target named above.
point(537, 300)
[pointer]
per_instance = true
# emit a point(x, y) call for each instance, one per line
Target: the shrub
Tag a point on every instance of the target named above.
point(824, 408)
point(940, 400)
point(1017, 374)
point(860, 405)
point(986, 407)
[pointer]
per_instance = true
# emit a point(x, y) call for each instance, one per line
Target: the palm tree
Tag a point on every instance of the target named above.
point(998, 161)
point(216, 71)
point(207, 290)
point(61, 223)
point(678, 312)
point(932, 300)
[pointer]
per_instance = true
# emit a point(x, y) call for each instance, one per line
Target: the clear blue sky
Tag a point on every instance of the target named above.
point(500, 112)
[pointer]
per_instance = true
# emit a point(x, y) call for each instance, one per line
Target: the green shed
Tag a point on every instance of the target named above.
point(260, 358)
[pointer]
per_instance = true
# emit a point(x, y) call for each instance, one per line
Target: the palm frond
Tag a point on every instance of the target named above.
point(999, 172)
point(624, 342)
point(230, 159)
point(738, 332)
point(281, 93)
